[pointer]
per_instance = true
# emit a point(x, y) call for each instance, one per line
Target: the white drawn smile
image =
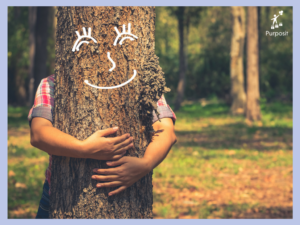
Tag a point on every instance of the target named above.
point(112, 87)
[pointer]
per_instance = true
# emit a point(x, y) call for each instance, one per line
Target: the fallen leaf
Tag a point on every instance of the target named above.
point(20, 185)
point(11, 173)
point(259, 124)
point(248, 122)
point(231, 152)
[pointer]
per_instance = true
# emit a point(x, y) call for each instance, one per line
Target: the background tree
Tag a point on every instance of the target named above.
point(253, 107)
point(80, 110)
point(41, 39)
point(18, 49)
point(32, 49)
point(238, 95)
point(183, 27)
point(186, 16)
point(207, 53)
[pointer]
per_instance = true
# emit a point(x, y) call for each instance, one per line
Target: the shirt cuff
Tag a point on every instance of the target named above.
point(164, 112)
point(40, 111)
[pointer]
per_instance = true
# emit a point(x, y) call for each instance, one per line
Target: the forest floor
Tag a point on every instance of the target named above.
point(220, 167)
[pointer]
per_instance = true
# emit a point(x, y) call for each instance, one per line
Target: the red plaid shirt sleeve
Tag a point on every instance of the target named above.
point(44, 100)
point(44, 103)
point(164, 110)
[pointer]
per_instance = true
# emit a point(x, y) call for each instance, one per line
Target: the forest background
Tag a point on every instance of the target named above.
point(214, 146)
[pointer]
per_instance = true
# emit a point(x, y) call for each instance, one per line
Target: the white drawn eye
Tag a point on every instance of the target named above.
point(124, 32)
point(83, 36)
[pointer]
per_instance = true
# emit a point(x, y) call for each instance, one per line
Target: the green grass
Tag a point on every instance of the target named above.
point(17, 117)
point(27, 171)
point(210, 142)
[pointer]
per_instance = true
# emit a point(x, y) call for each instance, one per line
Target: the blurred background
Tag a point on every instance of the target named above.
point(225, 164)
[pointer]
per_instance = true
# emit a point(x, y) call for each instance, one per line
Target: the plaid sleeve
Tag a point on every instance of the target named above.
point(44, 100)
point(164, 110)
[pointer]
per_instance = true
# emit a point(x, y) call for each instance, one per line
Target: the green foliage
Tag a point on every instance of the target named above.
point(17, 116)
point(18, 52)
point(209, 41)
point(207, 52)
point(276, 55)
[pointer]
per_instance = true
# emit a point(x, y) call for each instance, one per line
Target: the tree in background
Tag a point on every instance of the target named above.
point(38, 40)
point(186, 16)
point(183, 22)
point(32, 49)
point(253, 107)
point(208, 74)
point(81, 110)
point(18, 49)
point(41, 39)
point(238, 95)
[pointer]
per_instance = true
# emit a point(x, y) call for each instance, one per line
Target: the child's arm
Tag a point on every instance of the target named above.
point(131, 169)
point(55, 142)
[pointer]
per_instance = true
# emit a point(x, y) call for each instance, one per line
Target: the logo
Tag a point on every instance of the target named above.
point(276, 25)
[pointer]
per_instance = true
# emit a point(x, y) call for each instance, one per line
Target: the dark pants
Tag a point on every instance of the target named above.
point(43, 211)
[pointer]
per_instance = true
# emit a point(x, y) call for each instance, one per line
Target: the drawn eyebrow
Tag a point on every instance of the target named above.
point(123, 33)
point(83, 36)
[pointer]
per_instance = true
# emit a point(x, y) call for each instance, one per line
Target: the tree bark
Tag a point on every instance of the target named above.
point(41, 38)
point(80, 109)
point(32, 29)
point(182, 58)
point(253, 107)
point(238, 95)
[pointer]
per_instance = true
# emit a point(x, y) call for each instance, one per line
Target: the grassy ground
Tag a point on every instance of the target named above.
point(220, 167)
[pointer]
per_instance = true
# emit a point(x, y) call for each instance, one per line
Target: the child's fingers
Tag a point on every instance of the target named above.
point(119, 156)
point(109, 184)
point(105, 178)
point(117, 191)
point(117, 162)
point(124, 144)
point(109, 171)
point(120, 139)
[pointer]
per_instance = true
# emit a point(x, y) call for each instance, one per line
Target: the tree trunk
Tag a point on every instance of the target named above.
point(238, 94)
point(32, 27)
point(41, 37)
point(182, 58)
point(80, 109)
point(253, 108)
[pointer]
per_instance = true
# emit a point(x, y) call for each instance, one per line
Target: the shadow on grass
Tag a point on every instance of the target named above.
point(196, 110)
point(237, 136)
point(244, 211)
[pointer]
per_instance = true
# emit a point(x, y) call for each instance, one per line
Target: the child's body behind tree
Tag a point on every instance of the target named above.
point(125, 170)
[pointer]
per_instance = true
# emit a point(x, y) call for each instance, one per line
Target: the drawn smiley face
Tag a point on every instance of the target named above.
point(132, 37)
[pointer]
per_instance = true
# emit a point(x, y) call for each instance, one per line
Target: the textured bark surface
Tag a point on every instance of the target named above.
point(81, 110)
point(253, 108)
point(238, 95)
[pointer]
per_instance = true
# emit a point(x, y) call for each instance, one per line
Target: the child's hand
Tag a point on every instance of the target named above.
point(128, 171)
point(97, 146)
